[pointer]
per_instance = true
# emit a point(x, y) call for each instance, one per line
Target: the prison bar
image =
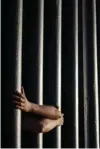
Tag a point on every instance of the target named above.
point(85, 75)
point(17, 70)
point(40, 61)
point(95, 71)
point(76, 86)
point(58, 66)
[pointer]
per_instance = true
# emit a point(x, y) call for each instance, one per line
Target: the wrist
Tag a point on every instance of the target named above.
point(33, 107)
point(29, 107)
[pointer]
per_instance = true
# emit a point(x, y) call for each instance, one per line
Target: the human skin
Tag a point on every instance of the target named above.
point(40, 125)
point(50, 118)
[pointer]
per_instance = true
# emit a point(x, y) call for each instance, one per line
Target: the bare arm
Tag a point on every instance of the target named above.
point(41, 125)
point(22, 103)
point(31, 124)
point(49, 112)
point(48, 125)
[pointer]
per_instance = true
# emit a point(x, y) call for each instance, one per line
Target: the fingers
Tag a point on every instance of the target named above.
point(63, 121)
point(16, 93)
point(22, 94)
point(22, 90)
point(18, 103)
point(60, 121)
point(17, 98)
point(62, 114)
point(20, 107)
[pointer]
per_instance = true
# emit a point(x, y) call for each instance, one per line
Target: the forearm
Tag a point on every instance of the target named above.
point(38, 125)
point(49, 112)
point(48, 125)
point(25, 105)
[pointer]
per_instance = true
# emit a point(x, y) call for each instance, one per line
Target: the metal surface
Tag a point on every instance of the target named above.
point(95, 63)
point(18, 68)
point(76, 87)
point(85, 87)
point(58, 68)
point(40, 61)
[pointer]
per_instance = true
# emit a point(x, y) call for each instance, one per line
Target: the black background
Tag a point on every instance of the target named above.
point(29, 66)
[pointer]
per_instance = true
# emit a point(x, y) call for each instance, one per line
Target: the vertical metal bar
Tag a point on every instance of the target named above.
point(58, 68)
point(17, 75)
point(95, 63)
point(40, 61)
point(76, 87)
point(85, 88)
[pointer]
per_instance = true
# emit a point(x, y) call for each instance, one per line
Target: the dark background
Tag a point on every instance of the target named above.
point(29, 66)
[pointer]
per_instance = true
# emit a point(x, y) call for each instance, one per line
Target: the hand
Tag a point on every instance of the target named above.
point(60, 121)
point(20, 100)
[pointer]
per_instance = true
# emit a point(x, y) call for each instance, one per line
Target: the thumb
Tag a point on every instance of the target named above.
point(22, 90)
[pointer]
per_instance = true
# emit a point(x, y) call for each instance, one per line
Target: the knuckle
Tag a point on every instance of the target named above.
point(21, 104)
point(22, 108)
point(24, 100)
